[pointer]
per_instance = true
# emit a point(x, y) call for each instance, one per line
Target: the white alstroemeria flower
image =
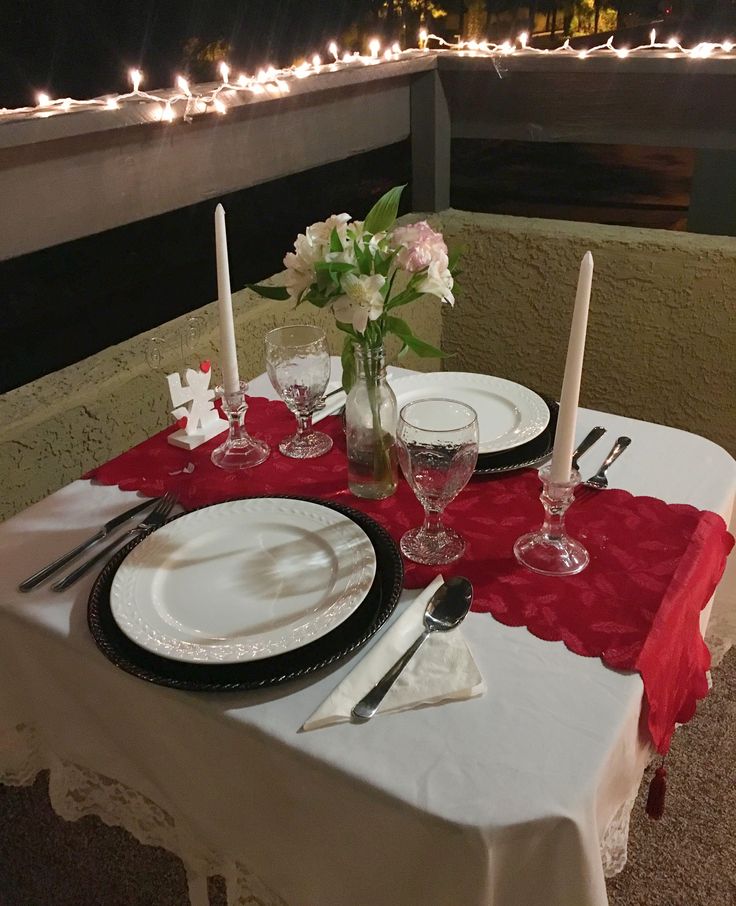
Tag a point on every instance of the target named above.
point(299, 266)
point(437, 282)
point(375, 241)
point(320, 232)
point(346, 256)
point(296, 281)
point(362, 300)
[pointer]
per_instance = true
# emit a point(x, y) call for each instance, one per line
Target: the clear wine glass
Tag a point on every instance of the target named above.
point(437, 442)
point(298, 364)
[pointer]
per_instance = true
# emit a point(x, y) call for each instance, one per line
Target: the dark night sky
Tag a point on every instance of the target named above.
point(84, 48)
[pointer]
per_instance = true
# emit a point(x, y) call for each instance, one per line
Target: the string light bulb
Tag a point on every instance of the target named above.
point(276, 81)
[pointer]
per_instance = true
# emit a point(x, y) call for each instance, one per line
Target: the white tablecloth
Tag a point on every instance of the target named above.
point(496, 801)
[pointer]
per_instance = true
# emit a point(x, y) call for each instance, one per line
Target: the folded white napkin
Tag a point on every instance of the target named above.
point(333, 404)
point(442, 670)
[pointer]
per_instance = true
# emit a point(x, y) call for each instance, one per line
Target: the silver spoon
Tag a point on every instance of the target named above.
point(446, 609)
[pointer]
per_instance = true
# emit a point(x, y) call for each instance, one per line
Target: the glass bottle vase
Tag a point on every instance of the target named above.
point(371, 416)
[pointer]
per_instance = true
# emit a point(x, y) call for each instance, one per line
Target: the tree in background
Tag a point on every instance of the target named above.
point(403, 19)
point(200, 58)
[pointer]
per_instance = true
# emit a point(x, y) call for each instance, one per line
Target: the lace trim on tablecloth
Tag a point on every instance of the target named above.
point(614, 843)
point(76, 791)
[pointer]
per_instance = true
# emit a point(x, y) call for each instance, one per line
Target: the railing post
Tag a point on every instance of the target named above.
point(713, 193)
point(430, 143)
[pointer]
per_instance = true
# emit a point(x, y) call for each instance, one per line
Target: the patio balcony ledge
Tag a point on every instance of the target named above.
point(660, 342)
point(68, 175)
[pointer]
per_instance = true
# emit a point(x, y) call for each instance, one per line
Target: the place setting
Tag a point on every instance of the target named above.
point(302, 525)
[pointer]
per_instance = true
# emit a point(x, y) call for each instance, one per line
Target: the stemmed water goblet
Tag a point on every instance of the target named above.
point(437, 442)
point(298, 364)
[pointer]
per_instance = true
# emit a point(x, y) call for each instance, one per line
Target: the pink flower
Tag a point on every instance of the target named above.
point(420, 247)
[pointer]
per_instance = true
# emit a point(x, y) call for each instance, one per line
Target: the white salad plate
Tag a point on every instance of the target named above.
point(243, 580)
point(508, 413)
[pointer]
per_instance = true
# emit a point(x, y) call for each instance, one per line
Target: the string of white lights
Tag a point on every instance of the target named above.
point(184, 103)
point(699, 51)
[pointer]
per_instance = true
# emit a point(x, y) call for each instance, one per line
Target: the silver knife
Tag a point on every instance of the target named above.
point(592, 437)
point(37, 578)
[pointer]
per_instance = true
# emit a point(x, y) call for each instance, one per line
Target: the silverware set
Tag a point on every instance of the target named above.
point(157, 517)
point(599, 480)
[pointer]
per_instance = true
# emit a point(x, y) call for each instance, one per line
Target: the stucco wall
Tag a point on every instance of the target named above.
point(662, 328)
point(661, 342)
point(56, 428)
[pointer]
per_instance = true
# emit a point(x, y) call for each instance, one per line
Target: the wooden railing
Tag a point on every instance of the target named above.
point(76, 174)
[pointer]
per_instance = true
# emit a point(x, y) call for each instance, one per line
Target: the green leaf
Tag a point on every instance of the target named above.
point(401, 329)
point(317, 298)
point(269, 292)
point(383, 213)
point(348, 364)
point(335, 244)
point(347, 328)
point(403, 298)
point(335, 267)
point(425, 350)
point(398, 327)
point(363, 257)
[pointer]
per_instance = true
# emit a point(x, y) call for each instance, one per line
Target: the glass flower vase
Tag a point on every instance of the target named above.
point(371, 417)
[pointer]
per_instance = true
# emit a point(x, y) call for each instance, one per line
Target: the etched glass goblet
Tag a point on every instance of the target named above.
point(298, 364)
point(437, 443)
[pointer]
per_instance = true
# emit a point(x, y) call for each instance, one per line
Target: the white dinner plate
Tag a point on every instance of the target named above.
point(508, 413)
point(243, 580)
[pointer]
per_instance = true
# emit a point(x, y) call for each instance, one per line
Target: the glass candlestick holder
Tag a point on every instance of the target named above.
point(240, 450)
point(551, 551)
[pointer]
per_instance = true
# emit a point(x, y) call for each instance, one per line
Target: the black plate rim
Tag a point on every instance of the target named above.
point(382, 598)
point(526, 458)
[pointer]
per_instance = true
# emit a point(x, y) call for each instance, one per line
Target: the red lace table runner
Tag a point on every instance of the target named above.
point(637, 606)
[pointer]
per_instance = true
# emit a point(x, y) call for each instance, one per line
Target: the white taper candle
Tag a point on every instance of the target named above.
point(568, 415)
point(228, 352)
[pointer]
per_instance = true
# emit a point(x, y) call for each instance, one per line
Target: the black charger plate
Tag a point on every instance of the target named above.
point(525, 455)
point(346, 638)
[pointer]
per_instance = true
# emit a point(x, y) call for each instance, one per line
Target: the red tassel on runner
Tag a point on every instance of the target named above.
point(657, 792)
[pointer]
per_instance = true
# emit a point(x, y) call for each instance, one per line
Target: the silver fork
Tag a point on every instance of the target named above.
point(599, 481)
point(155, 518)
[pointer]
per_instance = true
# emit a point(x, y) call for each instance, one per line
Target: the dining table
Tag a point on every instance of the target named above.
point(517, 797)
